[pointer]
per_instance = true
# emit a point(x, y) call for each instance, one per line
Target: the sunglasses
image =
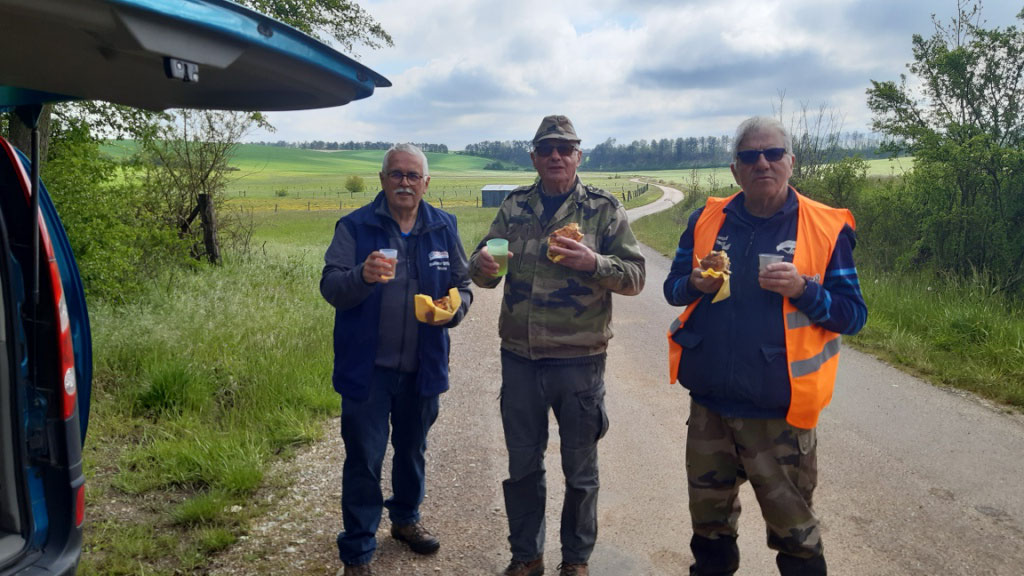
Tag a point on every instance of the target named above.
point(397, 176)
point(770, 154)
point(545, 150)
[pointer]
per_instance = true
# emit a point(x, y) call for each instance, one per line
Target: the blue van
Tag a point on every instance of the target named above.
point(153, 54)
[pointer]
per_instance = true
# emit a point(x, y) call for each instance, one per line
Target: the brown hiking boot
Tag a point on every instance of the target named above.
point(416, 536)
point(533, 567)
point(573, 570)
point(356, 570)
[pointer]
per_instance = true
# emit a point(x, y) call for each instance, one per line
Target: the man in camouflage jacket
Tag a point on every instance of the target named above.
point(554, 327)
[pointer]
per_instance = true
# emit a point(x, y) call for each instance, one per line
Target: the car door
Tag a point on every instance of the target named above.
point(152, 54)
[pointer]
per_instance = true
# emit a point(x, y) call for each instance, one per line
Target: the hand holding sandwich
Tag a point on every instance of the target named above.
point(717, 261)
point(565, 248)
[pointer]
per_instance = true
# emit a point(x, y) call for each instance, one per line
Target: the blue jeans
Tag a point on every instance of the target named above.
point(364, 429)
point(575, 393)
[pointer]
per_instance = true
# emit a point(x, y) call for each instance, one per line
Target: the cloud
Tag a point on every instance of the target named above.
point(466, 71)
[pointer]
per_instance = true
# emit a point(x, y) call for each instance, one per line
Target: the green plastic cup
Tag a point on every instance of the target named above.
point(498, 249)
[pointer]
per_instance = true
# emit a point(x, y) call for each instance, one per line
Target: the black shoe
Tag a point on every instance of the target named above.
point(356, 570)
point(416, 536)
point(565, 569)
point(533, 567)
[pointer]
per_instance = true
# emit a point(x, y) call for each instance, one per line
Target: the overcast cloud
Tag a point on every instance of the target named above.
point(465, 71)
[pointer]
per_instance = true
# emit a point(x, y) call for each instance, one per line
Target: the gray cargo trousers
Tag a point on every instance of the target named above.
point(574, 390)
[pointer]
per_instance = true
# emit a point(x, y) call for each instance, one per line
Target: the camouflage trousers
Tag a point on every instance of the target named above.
point(780, 462)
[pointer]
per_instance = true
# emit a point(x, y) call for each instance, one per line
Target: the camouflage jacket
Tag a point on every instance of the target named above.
point(550, 310)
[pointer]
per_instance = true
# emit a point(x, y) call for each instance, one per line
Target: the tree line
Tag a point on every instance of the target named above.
point(670, 154)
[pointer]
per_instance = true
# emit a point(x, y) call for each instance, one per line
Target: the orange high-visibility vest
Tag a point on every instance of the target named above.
point(812, 353)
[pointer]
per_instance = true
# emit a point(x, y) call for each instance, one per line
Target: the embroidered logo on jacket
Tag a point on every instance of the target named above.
point(787, 247)
point(438, 259)
point(723, 243)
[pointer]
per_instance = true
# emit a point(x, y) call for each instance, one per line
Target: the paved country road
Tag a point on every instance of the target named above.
point(914, 480)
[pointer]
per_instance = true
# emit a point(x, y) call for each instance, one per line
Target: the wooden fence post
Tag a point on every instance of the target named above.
point(208, 222)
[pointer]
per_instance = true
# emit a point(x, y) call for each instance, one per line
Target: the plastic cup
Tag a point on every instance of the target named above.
point(765, 259)
point(391, 255)
point(498, 249)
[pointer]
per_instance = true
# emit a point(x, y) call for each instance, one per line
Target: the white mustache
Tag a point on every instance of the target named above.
point(405, 191)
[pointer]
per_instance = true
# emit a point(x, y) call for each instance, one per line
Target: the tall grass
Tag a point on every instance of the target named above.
point(198, 386)
point(955, 332)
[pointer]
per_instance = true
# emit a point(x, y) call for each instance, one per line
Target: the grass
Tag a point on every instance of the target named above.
point(198, 387)
point(954, 332)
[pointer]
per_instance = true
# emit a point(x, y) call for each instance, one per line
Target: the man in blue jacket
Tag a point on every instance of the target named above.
point(388, 366)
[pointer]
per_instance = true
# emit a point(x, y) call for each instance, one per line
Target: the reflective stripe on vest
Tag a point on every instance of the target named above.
point(812, 353)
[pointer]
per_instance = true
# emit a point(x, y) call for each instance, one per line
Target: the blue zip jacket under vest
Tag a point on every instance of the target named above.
point(355, 329)
point(735, 350)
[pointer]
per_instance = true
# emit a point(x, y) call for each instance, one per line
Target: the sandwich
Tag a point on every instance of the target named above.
point(717, 260)
point(570, 230)
point(444, 303)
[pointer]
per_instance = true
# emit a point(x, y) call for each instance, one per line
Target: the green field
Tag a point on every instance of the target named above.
point(269, 178)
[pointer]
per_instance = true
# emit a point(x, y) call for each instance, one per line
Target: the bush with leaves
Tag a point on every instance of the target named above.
point(963, 120)
point(355, 184)
point(117, 243)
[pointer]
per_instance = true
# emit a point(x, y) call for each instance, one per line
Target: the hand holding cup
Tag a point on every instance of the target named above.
point(497, 249)
point(380, 265)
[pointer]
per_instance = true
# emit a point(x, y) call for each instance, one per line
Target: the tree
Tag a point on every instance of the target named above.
point(169, 203)
point(342, 20)
point(117, 243)
point(186, 163)
point(816, 137)
point(962, 122)
point(355, 184)
point(839, 183)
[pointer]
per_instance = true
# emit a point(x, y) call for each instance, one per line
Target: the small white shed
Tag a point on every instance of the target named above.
point(493, 194)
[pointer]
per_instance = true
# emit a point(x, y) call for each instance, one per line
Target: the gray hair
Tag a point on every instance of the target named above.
point(408, 149)
point(761, 124)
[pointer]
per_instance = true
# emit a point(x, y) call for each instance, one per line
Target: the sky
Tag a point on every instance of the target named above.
point(466, 71)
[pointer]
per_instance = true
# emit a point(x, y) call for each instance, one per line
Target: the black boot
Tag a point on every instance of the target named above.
point(793, 566)
point(718, 557)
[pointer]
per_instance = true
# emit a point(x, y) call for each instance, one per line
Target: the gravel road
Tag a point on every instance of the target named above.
point(915, 480)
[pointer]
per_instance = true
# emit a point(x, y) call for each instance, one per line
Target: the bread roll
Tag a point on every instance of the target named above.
point(570, 230)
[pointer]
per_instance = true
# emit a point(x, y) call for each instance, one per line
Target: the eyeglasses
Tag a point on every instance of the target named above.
point(545, 150)
point(770, 154)
point(397, 176)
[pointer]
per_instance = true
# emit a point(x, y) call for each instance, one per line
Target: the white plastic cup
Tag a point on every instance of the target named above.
point(391, 255)
point(765, 259)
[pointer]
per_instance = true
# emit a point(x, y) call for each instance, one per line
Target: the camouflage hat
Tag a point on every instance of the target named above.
point(556, 128)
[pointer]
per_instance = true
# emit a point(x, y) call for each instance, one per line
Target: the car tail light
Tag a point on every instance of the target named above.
point(65, 346)
point(79, 505)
